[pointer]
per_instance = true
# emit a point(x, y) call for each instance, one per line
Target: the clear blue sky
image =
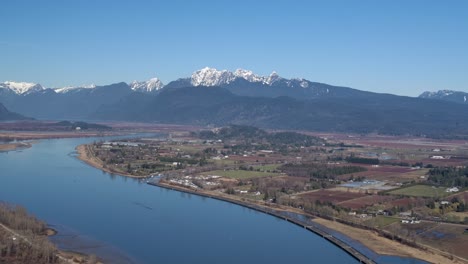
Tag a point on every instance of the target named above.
point(402, 47)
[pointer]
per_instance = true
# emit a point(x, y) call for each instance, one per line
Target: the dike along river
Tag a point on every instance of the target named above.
point(123, 220)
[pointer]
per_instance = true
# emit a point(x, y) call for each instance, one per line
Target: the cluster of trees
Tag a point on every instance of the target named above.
point(354, 159)
point(293, 138)
point(16, 217)
point(449, 176)
point(31, 246)
point(253, 134)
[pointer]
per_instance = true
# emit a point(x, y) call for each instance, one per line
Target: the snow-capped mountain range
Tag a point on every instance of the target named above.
point(152, 85)
point(204, 77)
point(24, 88)
point(213, 77)
point(241, 82)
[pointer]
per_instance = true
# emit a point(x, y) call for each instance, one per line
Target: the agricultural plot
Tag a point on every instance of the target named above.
point(240, 174)
point(390, 174)
point(363, 202)
point(421, 191)
point(331, 196)
point(461, 196)
point(450, 238)
point(382, 221)
point(268, 167)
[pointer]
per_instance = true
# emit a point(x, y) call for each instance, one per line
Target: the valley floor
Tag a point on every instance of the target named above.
point(370, 239)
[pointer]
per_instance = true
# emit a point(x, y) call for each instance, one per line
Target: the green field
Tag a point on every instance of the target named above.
point(268, 167)
point(421, 191)
point(240, 174)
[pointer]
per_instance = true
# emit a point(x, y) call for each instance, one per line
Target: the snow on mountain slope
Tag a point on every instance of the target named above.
point(21, 87)
point(149, 86)
point(446, 95)
point(439, 94)
point(73, 88)
point(213, 77)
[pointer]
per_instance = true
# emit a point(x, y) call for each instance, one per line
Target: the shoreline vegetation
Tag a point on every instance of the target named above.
point(24, 239)
point(372, 240)
point(85, 155)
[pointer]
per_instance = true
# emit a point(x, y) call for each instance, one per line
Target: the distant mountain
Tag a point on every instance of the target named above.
point(6, 115)
point(447, 95)
point(385, 114)
point(20, 87)
point(150, 86)
point(244, 82)
point(68, 89)
point(75, 103)
point(210, 96)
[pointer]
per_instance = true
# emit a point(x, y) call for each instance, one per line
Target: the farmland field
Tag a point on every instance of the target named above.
point(447, 237)
point(382, 221)
point(269, 167)
point(421, 191)
point(331, 196)
point(365, 201)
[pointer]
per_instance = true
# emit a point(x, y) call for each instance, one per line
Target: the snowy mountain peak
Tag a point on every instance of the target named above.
point(213, 77)
point(67, 89)
point(248, 75)
point(149, 86)
point(21, 87)
point(272, 78)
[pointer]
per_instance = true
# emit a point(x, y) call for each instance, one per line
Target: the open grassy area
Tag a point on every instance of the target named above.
point(421, 191)
point(223, 162)
point(382, 221)
point(268, 167)
point(240, 174)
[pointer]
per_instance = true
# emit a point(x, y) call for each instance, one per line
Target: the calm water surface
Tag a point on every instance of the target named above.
point(125, 221)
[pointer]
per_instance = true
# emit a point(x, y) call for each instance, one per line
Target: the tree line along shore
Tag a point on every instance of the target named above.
point(24, 239)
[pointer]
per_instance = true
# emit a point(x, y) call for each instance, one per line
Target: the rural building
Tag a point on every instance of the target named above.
point(453, 189)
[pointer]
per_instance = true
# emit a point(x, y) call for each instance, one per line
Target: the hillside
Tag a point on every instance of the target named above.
point(386, 114)
point(220, 97)
point(6, 115)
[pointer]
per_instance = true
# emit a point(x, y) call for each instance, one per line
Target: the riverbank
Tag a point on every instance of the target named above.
point(35, 246)
point(15, 135)
point(85, 155)
point(378, 244)
point(384, 246)
point(14, 146)
point(276, 212)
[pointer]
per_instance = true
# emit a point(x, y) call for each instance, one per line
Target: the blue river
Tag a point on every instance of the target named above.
point(123, 220)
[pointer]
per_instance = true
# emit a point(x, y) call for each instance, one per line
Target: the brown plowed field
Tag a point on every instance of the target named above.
point(331, 196)
point(368, 200)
